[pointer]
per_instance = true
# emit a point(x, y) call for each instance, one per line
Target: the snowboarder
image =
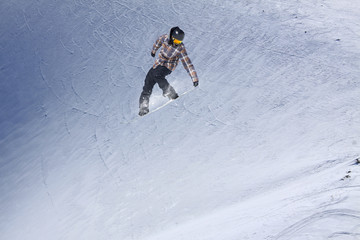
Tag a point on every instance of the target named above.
point(173, 50)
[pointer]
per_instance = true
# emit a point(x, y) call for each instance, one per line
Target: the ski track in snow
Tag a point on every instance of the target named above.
point(335, 213)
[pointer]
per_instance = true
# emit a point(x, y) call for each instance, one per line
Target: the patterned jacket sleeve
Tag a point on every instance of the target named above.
point(158, 43)
point(189, 67)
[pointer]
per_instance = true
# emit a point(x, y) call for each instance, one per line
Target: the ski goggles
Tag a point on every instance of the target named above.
point(176, 41)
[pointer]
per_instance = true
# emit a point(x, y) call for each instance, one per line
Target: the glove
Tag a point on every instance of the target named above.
point(152, 54)
point(196, 83)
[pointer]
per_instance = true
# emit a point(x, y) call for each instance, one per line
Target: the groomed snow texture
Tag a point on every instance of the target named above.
point(264, 148)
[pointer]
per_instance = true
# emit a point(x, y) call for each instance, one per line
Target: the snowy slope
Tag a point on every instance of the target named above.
point(264, 148)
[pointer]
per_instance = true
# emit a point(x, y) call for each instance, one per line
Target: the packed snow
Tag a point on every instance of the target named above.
point(266, 147)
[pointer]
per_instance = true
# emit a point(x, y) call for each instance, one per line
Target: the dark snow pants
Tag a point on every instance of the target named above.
point(154, 76)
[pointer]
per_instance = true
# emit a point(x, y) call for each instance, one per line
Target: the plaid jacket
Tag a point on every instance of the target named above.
point(169, 56)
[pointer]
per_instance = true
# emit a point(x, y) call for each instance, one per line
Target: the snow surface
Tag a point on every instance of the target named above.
point(264, 148)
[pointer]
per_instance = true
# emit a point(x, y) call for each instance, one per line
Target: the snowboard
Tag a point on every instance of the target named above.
point(167, 103)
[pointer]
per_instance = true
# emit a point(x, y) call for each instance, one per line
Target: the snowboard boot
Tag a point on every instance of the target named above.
point(144, 106)
point(170, 93)
point(143, 111)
